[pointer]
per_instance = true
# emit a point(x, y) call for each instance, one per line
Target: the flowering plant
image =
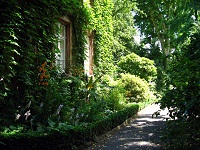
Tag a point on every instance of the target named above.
point(42, 75)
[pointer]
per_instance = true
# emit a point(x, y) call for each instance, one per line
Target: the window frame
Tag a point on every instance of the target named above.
point(68, 43)
point(91, 54)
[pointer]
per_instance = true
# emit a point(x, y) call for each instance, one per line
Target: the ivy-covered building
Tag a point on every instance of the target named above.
point(42, 39)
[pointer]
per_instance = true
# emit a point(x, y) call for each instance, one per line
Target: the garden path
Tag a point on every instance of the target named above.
point(143, 133)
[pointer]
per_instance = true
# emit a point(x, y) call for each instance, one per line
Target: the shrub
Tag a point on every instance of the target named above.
point(137, 90)
point(139, 66)
point(108, 80)
point(115, 99)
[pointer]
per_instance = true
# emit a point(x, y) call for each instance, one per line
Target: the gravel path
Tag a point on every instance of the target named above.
point(143, 133)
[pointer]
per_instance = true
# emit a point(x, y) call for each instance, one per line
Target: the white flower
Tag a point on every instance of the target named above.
point(27, 114)
point(17, 116)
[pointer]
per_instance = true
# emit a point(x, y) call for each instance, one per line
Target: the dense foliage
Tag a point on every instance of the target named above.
point(101, 23)
point(65, 136)
point(32, 90)
point(36, 98)
point(139, 66)
point(136, 89)
point(124, 31)
point(163, 21)
point(39, 102)
point(115, 99)
point(172, 41)
point(27, 57)
point(183, 98)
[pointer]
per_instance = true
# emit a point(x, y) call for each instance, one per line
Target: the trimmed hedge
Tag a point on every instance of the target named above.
point(69, 139)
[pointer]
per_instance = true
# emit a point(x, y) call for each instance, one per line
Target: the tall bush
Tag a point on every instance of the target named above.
point(137, 90)
point(138, 66)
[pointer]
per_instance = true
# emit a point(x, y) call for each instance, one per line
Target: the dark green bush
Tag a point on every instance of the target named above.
point(183, 97)
point(137, 90)
point(139, 66)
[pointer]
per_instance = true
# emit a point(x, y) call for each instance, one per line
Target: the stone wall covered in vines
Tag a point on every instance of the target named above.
point(28, 49)
point(101, 22)
point(27, 44)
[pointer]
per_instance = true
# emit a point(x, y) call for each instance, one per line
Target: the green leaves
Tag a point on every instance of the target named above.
point(139, 66)
point(182, 99)
point(102, 24)
point(137, 89)
point(124, 30)
point(27, 40)
point(164, 21)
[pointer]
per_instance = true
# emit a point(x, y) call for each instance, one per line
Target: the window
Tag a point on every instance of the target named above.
point(91, 54)
point(63, 59)
point(89, 62)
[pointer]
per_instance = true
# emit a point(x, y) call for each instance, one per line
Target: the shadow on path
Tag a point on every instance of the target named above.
point(143, 133)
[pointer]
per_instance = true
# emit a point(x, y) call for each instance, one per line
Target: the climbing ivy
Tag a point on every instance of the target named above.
point(101, 22)
point(28, 48)
point(27, 41)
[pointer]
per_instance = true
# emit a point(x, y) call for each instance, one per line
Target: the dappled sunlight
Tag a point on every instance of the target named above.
point(142, 133)
point(143, 143)
point(150, 119)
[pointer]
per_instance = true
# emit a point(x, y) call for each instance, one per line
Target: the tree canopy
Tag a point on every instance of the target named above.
point(165, 22)
point(124, 30)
